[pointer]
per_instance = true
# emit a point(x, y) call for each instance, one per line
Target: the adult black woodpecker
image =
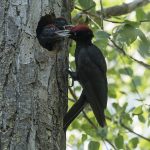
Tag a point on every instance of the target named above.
point(50, 31)
point(91, 73)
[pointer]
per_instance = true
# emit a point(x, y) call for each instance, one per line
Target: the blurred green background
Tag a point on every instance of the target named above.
point(125, 42)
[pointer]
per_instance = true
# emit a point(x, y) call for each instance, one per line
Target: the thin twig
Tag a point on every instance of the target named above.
point(129, 129)
point(124, 53)
point(89, 120)
point(112, 21)
point(102, 14)
point(133, 82)
point(108, 141)
point(73, 94)
point(105, 144)
point(86, 12)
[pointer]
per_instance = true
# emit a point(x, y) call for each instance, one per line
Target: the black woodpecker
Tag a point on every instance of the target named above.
point(91, 73)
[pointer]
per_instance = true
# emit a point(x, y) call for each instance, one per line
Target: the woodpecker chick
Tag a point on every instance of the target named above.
point(60, 23)
point(49, 32)
point(91, 73)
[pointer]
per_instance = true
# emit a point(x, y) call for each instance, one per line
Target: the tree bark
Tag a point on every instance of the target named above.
point(33, 81)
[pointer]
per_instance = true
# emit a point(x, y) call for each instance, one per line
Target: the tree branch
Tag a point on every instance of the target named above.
point(102, 14)
point(117, 10)
point(123, 9)
point(124, 53)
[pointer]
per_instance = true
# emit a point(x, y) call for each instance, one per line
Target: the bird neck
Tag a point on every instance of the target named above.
point(83, 43)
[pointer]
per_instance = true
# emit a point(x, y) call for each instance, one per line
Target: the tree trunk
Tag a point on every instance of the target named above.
point(33, 81)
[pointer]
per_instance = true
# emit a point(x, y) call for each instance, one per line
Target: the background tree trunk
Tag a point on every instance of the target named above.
point(33, 81)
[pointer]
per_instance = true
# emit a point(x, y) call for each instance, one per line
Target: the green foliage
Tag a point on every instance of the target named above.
point(122, 32)
point(128, 81)
point(102, 132)
point(119, 142)
point(101, 39)
point(133, 142)
point(138, 110)
point(144, 48)
point(84, 137)
point(140, 14)
point(126, 71)
point(93, 145)
point(86, 4)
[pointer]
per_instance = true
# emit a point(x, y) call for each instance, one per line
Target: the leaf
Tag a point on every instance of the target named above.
point(137, 81)
point(126, 119)
point(108, 114)
point(101, 39)
point(140, 14)
point(86, 4)
point(72, 48)
point(112, 90)
point(138, 110)
point(84, 137)
point(102, 132)
point(132, 23)
point(87, 129)
point(71, 138)
point(77, 88)
point(72, 64)
point(122, 34)
point(93, 145)
point(75, 124)
point(144, 48)
point(102, 35)
point(133, 142)
point(141, 35)
point(116, 106)
point(144, 44)
point(124, 106)
point(141, 118)
point(119, 141)
point(126, 70)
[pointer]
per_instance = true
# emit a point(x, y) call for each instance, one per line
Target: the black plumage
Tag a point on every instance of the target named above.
point(91, 73)
point(48, 31)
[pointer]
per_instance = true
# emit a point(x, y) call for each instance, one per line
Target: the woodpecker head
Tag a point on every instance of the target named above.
point(81, 33)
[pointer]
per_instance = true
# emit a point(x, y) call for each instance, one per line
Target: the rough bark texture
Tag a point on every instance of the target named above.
point(33, 81)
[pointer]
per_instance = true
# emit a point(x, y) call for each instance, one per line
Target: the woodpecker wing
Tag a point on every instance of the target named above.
point(98, 61)
point(92, 75)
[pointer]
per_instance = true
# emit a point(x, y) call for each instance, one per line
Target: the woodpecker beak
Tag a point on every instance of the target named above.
point(63, 33)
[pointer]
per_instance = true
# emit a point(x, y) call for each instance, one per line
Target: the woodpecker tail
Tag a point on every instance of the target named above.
point(99, 114)
point(96, 103)
point(74, 111)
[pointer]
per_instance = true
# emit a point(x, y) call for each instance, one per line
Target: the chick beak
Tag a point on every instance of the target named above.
point(63, 33)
